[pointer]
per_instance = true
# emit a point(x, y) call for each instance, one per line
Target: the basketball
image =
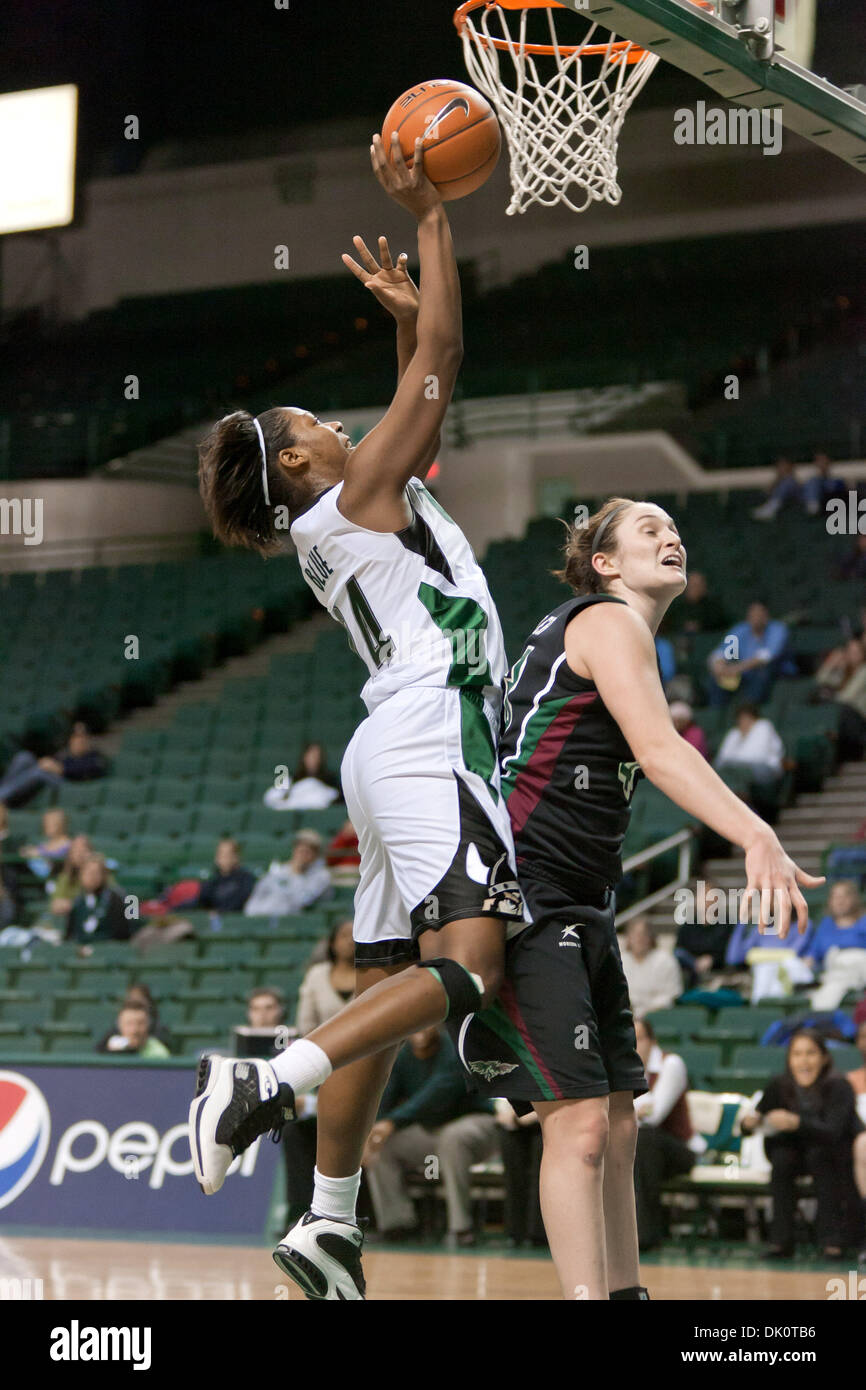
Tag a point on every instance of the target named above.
point(459, 129)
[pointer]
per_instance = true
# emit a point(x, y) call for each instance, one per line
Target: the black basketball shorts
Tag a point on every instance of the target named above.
point(562, 1027)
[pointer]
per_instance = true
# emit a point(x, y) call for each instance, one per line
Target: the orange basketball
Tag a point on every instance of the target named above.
point(460, 132)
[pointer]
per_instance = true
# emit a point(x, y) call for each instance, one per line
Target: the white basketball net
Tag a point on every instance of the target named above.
point(562, 130)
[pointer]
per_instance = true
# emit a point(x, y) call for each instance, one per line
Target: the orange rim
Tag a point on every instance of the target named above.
point(633, 52)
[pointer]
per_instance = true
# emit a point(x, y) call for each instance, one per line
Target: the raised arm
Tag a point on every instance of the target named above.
point(404, 440)
point(614, 644)
point(395, 290)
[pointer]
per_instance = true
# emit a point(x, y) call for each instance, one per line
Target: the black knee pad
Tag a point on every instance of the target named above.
point(461, 987)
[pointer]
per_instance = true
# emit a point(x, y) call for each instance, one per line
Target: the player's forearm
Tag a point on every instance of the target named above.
point(679, 770)
point(440, 322)
point(407, 341)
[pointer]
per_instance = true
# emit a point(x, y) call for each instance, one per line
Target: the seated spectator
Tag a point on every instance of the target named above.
point(426, 1112)
point(229, 888)
point(853, 565)
point(295, 884)
point(65, 887)
point(162, 929)
point(696, 609)
point(822, 487)
point(329, 984)
point(836, 668)
point(753, 751)
point(851, 699)
point(857, 1078)
point(666, 1144)
point(784, 491)
point(520, 1144)
point(686, 726)
point(342, 852)
point(702, 944)
point(49, 853)
point(139, 994)
point(809, 1121)
point(653, 975)
point(838, 948)
point(311, 788)
point(133, 1034)
point(97, 912)
point(750, 658)
point(666, 658)
point(79, 761)
point(8, 898)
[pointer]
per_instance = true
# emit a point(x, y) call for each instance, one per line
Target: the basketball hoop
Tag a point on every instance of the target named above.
point(561, 114)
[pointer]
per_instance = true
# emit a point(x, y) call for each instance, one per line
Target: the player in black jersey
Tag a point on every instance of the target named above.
point(585, 717)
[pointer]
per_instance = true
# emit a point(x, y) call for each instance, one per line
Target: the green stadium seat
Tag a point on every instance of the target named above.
point(702, 1062)
point(26, 1013)
point(683, 1022)
point(846, 1057)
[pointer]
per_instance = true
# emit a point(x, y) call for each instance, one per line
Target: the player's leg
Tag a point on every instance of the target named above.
point(322, 1251)
point(447, 851)
point(571, 1184)
point(620, 1222)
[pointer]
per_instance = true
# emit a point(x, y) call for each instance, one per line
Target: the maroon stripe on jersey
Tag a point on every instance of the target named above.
point(531, 781)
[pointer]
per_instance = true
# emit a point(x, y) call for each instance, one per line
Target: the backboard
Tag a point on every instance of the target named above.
point(710, 48)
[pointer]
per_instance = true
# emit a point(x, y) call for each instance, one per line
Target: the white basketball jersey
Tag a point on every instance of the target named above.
point(415, 602)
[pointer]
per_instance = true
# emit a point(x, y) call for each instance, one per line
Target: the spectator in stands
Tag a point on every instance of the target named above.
point(666, 658)
point(851, 698)
point(752, 753)
point(702, 944)
point(65, 887)
point(784, 491)
point(822, 487)
point(853, 565)
point(837, 668)
point(666, 1145)
point(838, 948)
point(521, 1146)
point(750, 658)
point(230, 887)
point(342, 852)
point(8, 899)
point(79, 761)
point(162, 929)
point(291, 886)
point(809, 1119)
point(311, 787)
point(687, 727)
point(49, 853)
point(696, 609)
point(133, 1034)
point(857, 1078)
point(426, 1112)
point(139, 994)
point(653, 975)
point(329, 984)
point(97, 911)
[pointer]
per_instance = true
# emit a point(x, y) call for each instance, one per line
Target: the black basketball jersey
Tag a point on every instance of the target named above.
point(568, 773)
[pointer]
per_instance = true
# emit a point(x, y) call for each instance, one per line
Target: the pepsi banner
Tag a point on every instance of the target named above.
point(107, 1149)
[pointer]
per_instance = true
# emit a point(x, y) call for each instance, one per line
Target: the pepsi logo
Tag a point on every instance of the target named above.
point(25, 1128)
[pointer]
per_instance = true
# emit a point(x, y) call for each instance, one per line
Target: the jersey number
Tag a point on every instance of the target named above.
point(378, 644)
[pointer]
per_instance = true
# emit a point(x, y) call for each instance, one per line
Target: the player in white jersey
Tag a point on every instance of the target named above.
point(438, 889)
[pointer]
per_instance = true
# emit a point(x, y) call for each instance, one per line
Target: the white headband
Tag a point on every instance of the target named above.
point(264, 462)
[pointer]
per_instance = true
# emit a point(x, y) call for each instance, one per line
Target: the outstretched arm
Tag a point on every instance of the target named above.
point(395, 290)
point(401, 444)
point(615, 645)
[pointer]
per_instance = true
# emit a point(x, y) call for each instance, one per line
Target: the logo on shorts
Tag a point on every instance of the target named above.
point(504, 895)
point(569, 936)
point(490, 1070)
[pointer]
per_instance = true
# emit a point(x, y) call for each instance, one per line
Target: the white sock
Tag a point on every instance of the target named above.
point(303, 1066)
point(335, 1197)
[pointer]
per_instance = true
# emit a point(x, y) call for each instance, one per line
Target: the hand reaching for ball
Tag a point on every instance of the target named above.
point(391, 284)
point(411, 188)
